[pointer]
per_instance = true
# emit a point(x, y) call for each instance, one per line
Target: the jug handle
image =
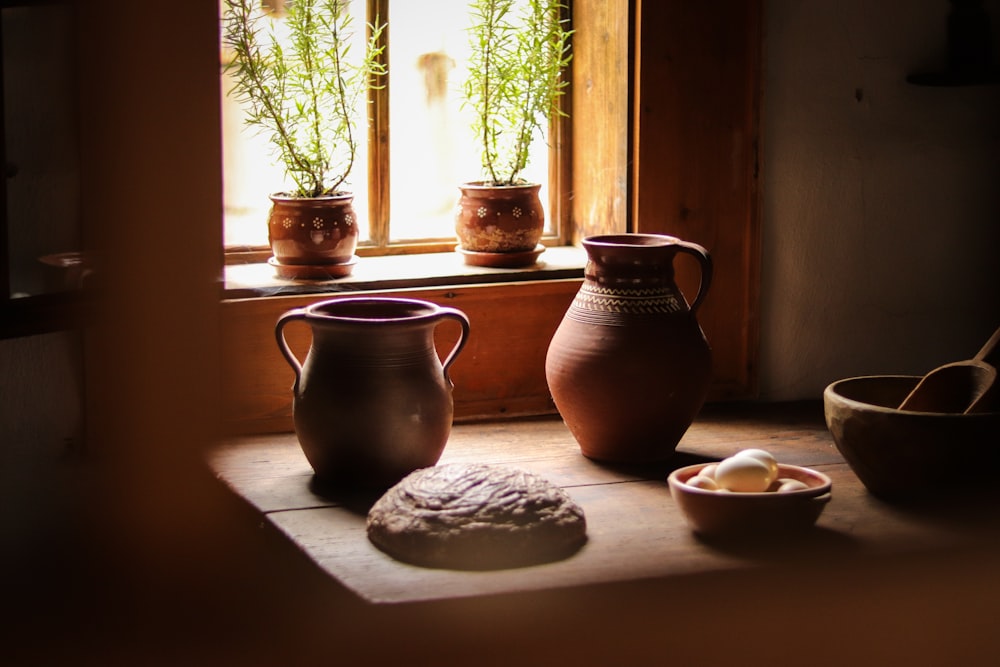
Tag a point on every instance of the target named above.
point(705, 262)
point(460, 317)
point(279, 334)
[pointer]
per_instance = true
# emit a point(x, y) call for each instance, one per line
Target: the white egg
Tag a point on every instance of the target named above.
point(764, 456)
point(791, 485)
point(701, 482)
point(743, 473)
point(709, 470)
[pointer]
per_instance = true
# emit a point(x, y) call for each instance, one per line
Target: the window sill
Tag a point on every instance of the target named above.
point(402, 271)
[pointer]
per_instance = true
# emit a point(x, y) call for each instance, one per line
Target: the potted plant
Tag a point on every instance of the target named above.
point(519, 50)
point(291, 67)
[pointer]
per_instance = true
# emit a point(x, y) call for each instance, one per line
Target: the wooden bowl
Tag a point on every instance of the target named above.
point(901, 454)
point(731, 513)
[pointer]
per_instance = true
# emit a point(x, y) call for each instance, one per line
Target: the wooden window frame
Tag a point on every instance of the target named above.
point(379, 210)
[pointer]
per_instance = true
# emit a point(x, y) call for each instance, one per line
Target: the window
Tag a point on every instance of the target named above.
point(405, 188)
point(664, 111)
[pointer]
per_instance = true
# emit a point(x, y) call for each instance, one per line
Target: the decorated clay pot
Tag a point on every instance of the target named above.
point(372, 401)
point(499, 222)
point(312, 230)
point(628, 367)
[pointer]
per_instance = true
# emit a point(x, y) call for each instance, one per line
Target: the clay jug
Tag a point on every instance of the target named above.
point(629, 367)
point(372, 401)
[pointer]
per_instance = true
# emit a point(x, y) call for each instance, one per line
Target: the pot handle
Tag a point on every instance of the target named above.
point(279, 334)
point(446, 312)
point(705, 262)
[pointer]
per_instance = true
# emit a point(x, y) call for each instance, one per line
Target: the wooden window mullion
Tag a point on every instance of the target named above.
point(378, 135)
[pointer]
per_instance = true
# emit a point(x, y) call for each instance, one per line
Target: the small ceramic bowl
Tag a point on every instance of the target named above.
point(904, 454)
point(731, 513)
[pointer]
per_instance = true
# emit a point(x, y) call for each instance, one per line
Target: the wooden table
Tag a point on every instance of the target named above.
point(635, 531)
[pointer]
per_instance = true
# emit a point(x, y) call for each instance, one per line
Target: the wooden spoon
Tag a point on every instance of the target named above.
point(962, 386)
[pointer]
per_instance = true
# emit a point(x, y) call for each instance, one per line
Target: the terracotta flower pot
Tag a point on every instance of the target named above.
point(499, 225)
point(312, 232)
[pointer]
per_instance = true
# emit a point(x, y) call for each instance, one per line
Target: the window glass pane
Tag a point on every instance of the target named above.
point(432, 149)
point(252, 169)
point(431, 143)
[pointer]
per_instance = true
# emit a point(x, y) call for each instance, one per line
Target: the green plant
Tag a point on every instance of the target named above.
point(303, 90)
point(519, 52)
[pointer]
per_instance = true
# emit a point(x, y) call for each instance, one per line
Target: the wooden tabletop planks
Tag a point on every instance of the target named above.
point(635, 531)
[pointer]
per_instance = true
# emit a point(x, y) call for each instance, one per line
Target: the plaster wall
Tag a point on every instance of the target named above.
point(881, 199)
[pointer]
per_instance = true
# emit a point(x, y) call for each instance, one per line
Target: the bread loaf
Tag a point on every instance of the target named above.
point(476, 516)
